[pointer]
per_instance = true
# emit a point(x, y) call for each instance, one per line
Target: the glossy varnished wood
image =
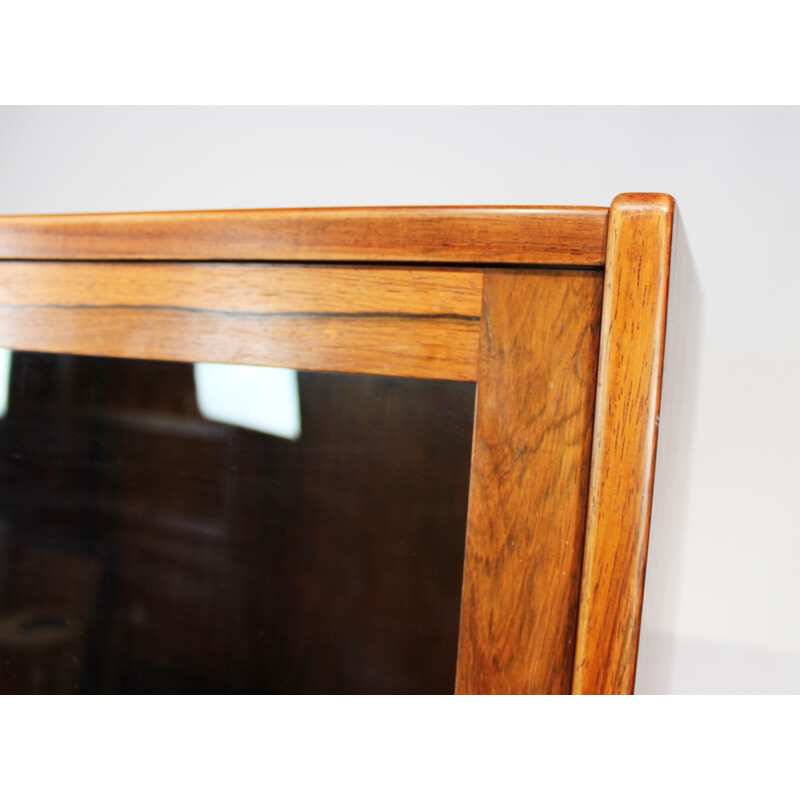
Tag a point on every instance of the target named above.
point(530, 473)
point(501, 235)
point(624, 448)
point(416, 322)
point(398, 291)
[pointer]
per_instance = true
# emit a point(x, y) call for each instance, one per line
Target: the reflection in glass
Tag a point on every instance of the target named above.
point(263, 399)
point(153, 540)
point(5, 371)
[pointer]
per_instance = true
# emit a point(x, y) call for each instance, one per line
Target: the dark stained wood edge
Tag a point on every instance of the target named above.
point(624, 448)
point(383, 320)
point(478, 235)
point(537, 373)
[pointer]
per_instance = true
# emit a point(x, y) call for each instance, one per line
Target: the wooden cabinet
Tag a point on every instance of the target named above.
point(551, 319)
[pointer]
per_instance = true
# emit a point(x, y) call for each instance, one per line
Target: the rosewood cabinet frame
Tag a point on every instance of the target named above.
point(558, 313)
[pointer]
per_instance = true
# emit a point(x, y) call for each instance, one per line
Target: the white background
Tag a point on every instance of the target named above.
point(722, 598)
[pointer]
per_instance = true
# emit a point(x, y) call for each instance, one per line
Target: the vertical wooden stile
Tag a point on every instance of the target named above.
point(624, 448)
point(529, 482)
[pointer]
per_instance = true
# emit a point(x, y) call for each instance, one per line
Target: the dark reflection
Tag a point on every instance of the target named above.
point(144, 548)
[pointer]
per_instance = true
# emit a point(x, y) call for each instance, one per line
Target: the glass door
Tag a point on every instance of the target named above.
point(171, 527)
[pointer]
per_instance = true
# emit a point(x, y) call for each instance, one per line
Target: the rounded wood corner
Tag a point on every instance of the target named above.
point(647, 202)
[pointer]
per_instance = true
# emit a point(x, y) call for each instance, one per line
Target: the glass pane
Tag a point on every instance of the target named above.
point(194, 528)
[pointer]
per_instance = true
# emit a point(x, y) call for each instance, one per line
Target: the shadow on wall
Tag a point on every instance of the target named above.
point(703, 667)
point(669, 520)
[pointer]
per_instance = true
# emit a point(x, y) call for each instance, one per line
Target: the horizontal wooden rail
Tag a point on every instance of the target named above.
point(457, 235)
point(412, 322)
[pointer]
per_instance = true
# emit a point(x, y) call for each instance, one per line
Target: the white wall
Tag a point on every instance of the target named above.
point(721, 600)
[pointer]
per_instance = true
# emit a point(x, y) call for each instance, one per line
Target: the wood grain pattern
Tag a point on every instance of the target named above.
point(392, 321)
point(530, 473)
point(340, 294)
point(502, 235)
point(624, 448)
